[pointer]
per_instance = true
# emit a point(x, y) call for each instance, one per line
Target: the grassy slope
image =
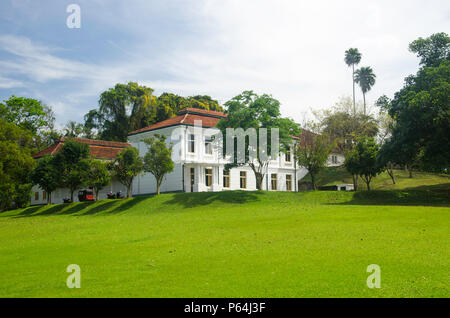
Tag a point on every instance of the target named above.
point(231, 244)
point(338, 175)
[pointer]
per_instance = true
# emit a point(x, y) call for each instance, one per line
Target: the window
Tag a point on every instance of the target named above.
point(243, 181)
point(191, 143)
point(44, 195)
point(208, 177)
point(208, 146)
point(36, 196)
point(333, 159)
point(274, 181)
point(287, 155)
point(226, 178)
point(288, 182)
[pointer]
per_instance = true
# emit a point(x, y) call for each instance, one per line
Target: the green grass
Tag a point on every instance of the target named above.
point(338, 175)
point(232, 244)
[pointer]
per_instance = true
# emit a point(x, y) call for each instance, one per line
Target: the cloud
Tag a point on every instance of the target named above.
point(291, 49)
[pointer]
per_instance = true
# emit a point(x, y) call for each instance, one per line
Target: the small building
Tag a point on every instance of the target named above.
point(100, 149)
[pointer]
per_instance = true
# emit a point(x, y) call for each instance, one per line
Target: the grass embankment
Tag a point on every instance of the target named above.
point(232, 244)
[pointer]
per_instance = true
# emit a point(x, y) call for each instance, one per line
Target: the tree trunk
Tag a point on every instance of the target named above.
point(49, 200)
point(96, 195)
point(410, 171)
point(313, 181)
point(158, 187)
point(353, 80)
point(259, 180)
point(128, 191)
point(364, 98)
point(71, 196)
point(390, 172)
point(368, 185)
point(355, 182)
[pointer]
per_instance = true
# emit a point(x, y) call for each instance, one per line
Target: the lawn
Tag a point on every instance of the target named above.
point(232, 244)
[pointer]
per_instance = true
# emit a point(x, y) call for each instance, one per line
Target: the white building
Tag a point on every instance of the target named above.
point(199, 165)
point(100, 149)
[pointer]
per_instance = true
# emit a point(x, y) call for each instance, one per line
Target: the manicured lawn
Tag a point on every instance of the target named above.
point(232, 244)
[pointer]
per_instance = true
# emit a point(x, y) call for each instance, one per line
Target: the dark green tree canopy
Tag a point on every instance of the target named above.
point(421, 109)
point(432, 50)
point(127, 165)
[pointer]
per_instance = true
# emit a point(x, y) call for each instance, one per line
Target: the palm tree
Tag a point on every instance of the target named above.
point(352, 58)
point(366, 79)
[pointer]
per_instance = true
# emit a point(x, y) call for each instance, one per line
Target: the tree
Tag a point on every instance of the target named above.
point(16, 164)
point(33, 116)
point(421, 109)
point(366, 79)
point(97, 176)
point(251, 111)
point(72, 164)
point(363, 160)
point(432, 50)
point(158, 159)
point(312, 153)
point(385, 159)
point(344, 126)
point(46, 175)
point(73, 129)
point(352, 58)
point(126, 166)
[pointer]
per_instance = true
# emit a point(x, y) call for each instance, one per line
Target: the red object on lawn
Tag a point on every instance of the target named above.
point(86, 195)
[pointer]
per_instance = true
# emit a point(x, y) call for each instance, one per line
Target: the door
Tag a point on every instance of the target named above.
point(192, 177)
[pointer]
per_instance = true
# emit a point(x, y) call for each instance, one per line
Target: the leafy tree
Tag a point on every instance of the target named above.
point(127, 165)
point(16, 164)
point(421, 109)
point(72, 164)
point(312, 153)
point(366, 79)
point(33, 116)
point(158, 159)
point(363, 160)
point(345, 127)
point(432, 50)
point(251, 111)
point(97, 176)
point(46, 175)
point(73, 129)
point(352, 58)
point(385, 159)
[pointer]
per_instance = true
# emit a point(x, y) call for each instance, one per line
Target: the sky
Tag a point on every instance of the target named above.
point(293, 50)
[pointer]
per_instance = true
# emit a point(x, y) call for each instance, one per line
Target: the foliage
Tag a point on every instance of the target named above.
point(363, 160)
point(345, 127)
point(313, 154)
point(97, 175)
point(251, 111)
point(432, 50)
point(366, 79)
point(31, 115)
point(46, 175)
point(352, 58)
point(16, 164)
point(128, 107)
point(73, 163)
point(127, 165)
point(158, 159)
point(421, 109)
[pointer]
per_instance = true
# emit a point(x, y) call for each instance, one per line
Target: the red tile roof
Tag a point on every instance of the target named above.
point(187, 116)
point(100, 149)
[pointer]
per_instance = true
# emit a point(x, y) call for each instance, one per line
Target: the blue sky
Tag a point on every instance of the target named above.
point(291, 49)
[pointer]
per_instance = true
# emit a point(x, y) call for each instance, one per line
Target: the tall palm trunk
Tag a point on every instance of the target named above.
point(353, 79)
point(364, 97)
